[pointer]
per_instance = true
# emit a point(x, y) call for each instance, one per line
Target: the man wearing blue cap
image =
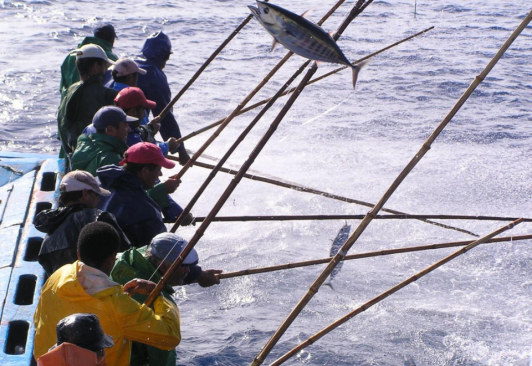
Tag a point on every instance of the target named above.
point(108, 144)
point(103, 36)
point(154, 55)
point(153, 261)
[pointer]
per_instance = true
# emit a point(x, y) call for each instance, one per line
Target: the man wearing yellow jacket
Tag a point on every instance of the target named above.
point(85, 287)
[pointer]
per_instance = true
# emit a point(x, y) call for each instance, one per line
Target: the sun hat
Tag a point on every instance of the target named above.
point(79, 180)
point(146, 153)
point(110, 116)
point(92, 51)
point(168, 246)
point(133, 97)
point(126, 66)
point(83, 330)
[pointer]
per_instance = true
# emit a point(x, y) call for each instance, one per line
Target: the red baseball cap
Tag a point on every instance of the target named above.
point(146, 153)
point(133, 97)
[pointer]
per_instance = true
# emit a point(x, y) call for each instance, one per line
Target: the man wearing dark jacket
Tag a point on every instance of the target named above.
point(104, 36)
point(154, 54)
point(80, 194)
point(137, 214)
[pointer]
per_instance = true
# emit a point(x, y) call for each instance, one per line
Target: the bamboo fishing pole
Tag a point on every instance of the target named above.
point(355, 217)
point(166, 109)
point(258, 104)
point(301, 188)
point(378, 253)
point(256, 151)
point(184, 214)
point(313, 289)
point(389, 292)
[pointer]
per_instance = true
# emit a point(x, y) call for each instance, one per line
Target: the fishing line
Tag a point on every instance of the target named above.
point(324, 113)
point(177, 241)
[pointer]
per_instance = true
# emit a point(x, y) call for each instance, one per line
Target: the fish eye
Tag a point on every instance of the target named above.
point(266, 10)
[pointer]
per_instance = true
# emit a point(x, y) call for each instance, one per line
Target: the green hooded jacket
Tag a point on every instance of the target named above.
point(129, 265)
point(97, 150)
point(69, 72)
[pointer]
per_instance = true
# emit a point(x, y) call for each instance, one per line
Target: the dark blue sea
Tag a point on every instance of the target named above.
point(474, 311)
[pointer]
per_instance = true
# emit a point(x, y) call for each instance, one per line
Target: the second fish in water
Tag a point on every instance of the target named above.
point(301, 36)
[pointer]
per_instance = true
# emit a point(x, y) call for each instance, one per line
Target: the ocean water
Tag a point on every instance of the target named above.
point(475, 310)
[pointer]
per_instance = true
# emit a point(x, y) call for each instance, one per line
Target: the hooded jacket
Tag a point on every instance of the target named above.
point(78, 288)
point(97, 150)
point(137, 214)
point(63, 226)
point(69, 71)
point(154, 54)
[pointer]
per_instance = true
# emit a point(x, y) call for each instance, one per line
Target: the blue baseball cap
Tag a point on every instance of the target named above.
point(168, 246)
point(110, 116)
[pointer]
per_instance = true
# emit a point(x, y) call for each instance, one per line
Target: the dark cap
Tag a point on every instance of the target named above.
point(105, 31)
point(110, 116)
point(83, 330)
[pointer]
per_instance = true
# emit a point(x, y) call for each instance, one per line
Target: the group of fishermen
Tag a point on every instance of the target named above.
point(107, 244)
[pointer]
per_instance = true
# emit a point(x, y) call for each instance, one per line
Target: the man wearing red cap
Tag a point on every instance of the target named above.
point(137, 214)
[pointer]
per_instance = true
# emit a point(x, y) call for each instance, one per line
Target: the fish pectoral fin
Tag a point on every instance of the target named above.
point(274, 43)
point(307, 13)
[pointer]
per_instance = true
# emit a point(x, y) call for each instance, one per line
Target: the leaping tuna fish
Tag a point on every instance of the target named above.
point(301, 36)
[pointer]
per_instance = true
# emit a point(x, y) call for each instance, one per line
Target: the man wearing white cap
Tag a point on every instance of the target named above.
point(125, 73)
point(80, 194)
point(104, 36)
point(84, 98)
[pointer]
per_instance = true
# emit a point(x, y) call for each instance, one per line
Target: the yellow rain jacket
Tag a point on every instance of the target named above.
point(78, 288)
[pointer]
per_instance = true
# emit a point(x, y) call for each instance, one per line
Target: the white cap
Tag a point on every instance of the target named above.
point(92, 50)
point(126, 66)
point(79, 180)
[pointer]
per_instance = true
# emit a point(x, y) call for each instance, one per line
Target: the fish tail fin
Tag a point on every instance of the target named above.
point(356, 69)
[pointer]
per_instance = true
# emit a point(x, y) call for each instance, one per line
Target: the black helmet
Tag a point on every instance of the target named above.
point(83, 330)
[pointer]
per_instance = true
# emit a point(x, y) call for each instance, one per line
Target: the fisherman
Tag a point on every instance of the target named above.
point(104, 36)
point(79, 194)
point(137, 214)
point(84, 98)
point(107, 147)
point(85, 286)
point(154, 55)
point(134, 103)
point(80, 341)
point(108, 144)
point(153, 262)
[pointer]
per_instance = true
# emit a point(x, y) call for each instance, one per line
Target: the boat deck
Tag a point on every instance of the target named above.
point(28, 185)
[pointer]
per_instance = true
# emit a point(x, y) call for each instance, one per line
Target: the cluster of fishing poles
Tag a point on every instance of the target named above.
point(366, 219)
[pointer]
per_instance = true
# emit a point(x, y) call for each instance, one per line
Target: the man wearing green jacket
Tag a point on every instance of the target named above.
point(106, 146)
point(104, 36)
point(83, 99)
point(152, 262)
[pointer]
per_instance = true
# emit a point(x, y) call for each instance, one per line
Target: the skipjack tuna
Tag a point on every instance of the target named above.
point(301, 36)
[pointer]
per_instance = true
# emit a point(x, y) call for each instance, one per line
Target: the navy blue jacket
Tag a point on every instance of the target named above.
point(137, 214)
point(154, 84)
